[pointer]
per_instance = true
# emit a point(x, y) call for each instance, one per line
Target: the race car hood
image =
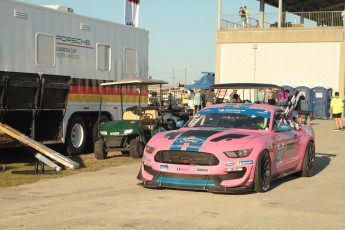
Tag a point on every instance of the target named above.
point(199, 139)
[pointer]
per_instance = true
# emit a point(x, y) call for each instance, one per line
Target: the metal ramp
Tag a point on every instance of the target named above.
point(40, 148)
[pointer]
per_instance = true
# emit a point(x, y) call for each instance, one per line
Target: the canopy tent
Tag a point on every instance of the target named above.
point(203, 83)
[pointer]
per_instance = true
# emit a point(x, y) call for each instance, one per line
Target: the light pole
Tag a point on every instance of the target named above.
point(185, 74)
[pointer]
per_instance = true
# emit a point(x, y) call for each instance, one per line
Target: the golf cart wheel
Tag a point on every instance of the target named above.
point(263, 173)
point(95, 134)
point(136, 148)
point(100, 150)
point(76, 135)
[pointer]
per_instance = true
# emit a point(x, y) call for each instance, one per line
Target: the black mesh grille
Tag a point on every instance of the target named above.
point(233, 175)
point(186, 158)
point(149, 170)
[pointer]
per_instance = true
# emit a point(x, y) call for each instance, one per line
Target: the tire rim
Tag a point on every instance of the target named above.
point(265, 172)
point(311, 158)
point(77, 135)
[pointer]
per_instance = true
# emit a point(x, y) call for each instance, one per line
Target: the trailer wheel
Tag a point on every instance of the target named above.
point(76, 136)
point(136, 148)
point(100, 150)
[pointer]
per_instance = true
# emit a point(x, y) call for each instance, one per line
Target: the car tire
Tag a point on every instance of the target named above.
point(308, 161)
point(76, 136)
point(136, 148)
point(263, 173)
point(100, 150)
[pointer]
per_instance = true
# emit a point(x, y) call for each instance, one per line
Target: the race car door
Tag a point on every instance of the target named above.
point(285, 146)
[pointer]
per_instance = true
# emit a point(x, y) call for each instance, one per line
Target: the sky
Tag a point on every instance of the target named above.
point(182, 37)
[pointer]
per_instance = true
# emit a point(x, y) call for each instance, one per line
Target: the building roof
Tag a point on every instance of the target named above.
point(309, 5)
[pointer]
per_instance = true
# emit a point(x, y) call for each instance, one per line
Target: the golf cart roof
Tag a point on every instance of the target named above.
point(134, 81)
point(244, 86)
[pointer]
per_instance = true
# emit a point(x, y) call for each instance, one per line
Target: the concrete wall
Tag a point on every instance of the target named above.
point(287, 56)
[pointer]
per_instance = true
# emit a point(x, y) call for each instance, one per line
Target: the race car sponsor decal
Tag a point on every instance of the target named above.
point(192, 140)
point(229, 164)
point(182, 169)
point(245, 162)
point(202, 170)
point(280, 153)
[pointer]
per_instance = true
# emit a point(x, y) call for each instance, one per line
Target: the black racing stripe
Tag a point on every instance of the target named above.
point(172, 135)
point(200, 133)
point(228, 136)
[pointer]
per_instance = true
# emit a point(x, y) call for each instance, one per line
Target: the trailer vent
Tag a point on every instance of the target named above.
point(85, 27)
point(20, 14)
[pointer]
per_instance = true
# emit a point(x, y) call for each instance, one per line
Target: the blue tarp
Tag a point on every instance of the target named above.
point(203, 83)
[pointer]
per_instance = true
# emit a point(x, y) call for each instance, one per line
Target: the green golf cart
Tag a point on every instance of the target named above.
point(137, 125)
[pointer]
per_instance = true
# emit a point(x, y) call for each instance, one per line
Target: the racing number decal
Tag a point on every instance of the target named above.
point(280, 153)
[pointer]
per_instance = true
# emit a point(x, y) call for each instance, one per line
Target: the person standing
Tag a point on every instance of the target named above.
point(197, 101)
point(261, 96)
point(246, 12)
point(231, 96)
point(242, 14)
point(185, 101)
point(210, 97)
point(337, 106)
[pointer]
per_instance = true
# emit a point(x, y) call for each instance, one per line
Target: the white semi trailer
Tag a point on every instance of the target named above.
point(51, 65)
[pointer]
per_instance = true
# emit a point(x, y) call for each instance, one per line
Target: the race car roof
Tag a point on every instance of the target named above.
point(135, 81)
point(244, 86)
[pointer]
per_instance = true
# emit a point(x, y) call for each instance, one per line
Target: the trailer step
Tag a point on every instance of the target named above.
point(39, 147)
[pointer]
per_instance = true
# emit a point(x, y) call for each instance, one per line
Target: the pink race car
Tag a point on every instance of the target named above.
point(229, 148)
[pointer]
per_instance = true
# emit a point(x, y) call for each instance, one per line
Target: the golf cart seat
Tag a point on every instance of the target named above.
point(149, 119)
point(128, 115)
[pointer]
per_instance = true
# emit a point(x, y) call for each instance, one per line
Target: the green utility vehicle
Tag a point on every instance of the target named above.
point(137, 125)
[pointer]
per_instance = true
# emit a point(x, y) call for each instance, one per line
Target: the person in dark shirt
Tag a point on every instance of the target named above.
point(297, 117)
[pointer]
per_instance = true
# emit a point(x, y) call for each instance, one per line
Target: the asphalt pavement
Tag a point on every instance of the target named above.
point(112, 199)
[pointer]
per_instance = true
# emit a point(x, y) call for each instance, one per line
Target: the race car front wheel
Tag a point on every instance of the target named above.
point(263, 173)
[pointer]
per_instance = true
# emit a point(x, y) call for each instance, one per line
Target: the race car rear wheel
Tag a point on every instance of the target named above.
point(263, 173)
point(308, 161)
point(136, 148)
point(100, 150)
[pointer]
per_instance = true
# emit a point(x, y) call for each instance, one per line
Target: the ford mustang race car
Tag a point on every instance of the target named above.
point(229, 148)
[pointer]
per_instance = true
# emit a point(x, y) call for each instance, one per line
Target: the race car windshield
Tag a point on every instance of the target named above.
point(241, 119)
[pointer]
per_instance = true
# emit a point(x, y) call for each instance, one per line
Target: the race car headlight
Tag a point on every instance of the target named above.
point(238, 153)
point(127, 131)
point(104, 133)
point(149, 149)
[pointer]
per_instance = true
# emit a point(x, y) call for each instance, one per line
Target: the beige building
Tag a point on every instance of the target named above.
point(292, 47)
